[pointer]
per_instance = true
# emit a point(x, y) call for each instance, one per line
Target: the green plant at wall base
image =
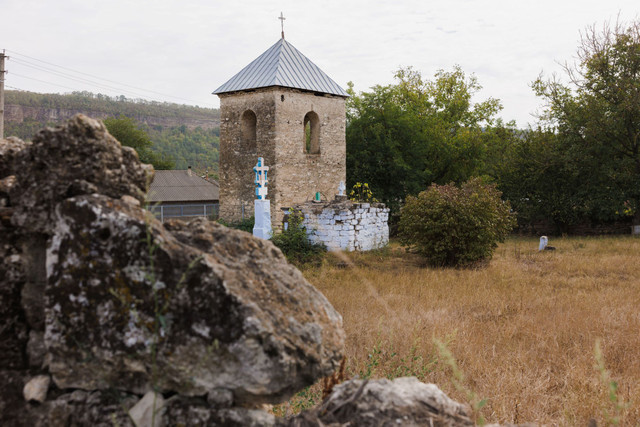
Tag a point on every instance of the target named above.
point(455, 226)
point(361, 193)
point(295, 244)
point(619, 406)
point(246, 224)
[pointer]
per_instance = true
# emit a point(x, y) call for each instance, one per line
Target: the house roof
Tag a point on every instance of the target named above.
point(282, 65)
point(179, 186)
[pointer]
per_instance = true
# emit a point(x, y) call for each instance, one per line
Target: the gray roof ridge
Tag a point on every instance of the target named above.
point(282, 65)
point(311, 67)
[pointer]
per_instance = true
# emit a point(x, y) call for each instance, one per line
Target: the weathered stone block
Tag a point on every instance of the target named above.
point(403, 401)
point(132, 306)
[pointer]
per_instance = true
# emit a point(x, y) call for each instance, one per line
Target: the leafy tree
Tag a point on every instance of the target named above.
point(125, 130)
point(198, 148)
point(404, 136)
point(545, 178)
point(455, 226)
point(596, 116)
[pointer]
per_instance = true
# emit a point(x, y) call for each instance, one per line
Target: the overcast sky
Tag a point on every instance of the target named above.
point(183, 50)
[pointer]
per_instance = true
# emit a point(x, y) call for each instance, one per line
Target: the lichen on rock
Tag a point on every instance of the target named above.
point(78, 158)
point(189, 308)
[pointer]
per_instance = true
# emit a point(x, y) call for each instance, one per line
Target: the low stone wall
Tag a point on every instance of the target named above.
point(345, 225)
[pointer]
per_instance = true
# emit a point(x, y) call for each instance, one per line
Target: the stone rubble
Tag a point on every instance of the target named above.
point(148, 411)
point(103, 309)
point(403, 401)
point(36, 389)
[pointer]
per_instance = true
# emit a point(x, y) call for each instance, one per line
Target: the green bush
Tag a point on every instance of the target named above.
point(295, 245)
point(455, 226)
point(244, 225)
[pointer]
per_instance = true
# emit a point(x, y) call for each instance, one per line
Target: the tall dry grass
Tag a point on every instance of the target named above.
point(522, 329)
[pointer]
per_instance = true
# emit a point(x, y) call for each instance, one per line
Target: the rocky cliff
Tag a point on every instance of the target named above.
point(19, 113)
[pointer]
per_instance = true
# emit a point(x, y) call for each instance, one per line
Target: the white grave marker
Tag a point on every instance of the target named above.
point(543, 243)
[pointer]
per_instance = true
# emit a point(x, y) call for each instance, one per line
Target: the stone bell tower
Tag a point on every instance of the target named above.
point(283, 108)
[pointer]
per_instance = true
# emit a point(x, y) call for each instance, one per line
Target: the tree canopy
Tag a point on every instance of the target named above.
point(579, 164)
point(126, 130)
point(404, 136)
point(595, 118)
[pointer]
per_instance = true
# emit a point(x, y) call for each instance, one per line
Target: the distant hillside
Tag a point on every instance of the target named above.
point(188, 134)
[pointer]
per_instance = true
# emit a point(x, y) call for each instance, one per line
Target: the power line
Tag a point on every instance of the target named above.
point(94, 76)
point(41, 81)
point(77, 79)
point(50, 83)
point(99, 78)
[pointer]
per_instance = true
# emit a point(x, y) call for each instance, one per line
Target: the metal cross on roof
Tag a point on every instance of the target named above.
point(261, 180)
point(282, 18)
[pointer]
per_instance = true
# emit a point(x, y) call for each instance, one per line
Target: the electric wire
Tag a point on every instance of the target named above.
point(26, 63)
point(79, 79)
point(41, 81)
point(97, 77)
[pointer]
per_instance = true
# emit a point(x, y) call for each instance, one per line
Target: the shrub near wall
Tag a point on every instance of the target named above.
point(295, 244)
point(455, 226)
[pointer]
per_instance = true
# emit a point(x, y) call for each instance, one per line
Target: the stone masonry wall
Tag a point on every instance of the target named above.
point(294, 176)
point(301, 175)
point(237, 156)
point(344, 225)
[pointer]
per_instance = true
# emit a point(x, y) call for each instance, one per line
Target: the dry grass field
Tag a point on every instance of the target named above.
point(522, 329)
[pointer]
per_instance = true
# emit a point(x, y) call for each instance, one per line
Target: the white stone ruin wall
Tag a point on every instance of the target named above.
point(347, 226)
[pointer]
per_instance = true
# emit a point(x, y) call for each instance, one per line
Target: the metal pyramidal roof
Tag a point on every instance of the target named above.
point(282, 65)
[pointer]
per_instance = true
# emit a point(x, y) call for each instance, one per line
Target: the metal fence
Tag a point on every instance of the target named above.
point(163, 212)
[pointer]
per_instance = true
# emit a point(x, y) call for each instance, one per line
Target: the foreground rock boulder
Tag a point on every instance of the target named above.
point(194, 309)
point(9, 148)
point(78, 158)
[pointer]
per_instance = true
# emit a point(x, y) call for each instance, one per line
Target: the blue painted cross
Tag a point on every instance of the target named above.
point(261, 180)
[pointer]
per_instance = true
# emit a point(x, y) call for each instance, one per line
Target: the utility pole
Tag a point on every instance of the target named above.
point(2, 73)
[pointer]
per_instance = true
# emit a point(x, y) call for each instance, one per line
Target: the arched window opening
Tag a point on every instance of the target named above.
point(311, 133)
point(249, 129)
